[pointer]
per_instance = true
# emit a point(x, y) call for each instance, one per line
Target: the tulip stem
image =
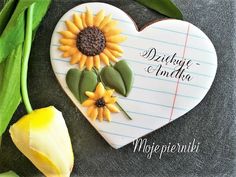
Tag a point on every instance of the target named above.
point(25, 58)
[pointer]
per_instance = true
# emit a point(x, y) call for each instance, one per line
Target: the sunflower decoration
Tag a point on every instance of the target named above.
point(100, 103)
point(90, 39)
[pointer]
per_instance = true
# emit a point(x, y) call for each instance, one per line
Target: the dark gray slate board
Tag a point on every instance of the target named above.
point(212, 122)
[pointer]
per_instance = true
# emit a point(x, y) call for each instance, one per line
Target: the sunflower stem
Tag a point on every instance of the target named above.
point(100, 79)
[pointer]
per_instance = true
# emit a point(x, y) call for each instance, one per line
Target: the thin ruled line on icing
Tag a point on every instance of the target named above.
point(116, 134)
point(166, 54)
point(149, 115)
point(129, 125)
point(208, 63)
point(169, 43)
point(164, 92)
point(159, 28)
point(150, 103)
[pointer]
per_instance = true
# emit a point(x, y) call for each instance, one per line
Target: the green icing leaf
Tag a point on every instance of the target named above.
point(126, 73)
point(165, 7)
point(88, 82)
point(72, 79)
point(113, 79)
point(10, 96)
point(9, 174)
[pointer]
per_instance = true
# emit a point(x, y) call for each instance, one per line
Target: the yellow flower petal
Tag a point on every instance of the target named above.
point(110, 100)
point(100, 90)
point(71, 27)
point(112, 108)
point(88, 103)
point(109, 93)
point(42, 136)
point(113, 32)
point(83, 17)
point(78, 21)
point(114, 46)
point(82, 61)
point(94, 114)
point(106, 20)
point(90, 109)
point(104, 58)
point(64, 48)
point(70, 52)
point(68, 34)
point(76, 58)
point(70, 42)
point(116, 39)
point(109, 26)
point(115, 53)
point(109, 55)
point(107, 114)
point(89, 17)
point(90, 94)
point(99, 17)
point(97, 61)
point(100, 114)
point(89, 63)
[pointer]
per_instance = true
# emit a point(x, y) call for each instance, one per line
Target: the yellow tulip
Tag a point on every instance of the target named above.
point(42, 136)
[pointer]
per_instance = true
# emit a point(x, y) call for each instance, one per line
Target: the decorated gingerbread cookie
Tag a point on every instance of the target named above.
point(127, 82)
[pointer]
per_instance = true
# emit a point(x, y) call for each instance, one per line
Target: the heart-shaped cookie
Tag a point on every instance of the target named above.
point(174, 64)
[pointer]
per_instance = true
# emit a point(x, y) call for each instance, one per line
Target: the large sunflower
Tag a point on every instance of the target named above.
point(100, 103)
point(90, 39)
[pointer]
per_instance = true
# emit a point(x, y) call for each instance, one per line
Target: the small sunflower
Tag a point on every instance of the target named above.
point(100, 103)
point(90, 39)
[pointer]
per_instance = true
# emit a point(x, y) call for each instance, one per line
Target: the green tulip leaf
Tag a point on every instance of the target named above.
point(88, 82)
point(165, 7)
point(113, 79)
point(126, 73)
point(73, 79)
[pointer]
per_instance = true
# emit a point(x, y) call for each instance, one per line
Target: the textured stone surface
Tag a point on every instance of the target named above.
point(212, 122)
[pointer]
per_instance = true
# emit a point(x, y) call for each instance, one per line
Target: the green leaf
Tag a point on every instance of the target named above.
point(10, 95)
point(113, 79)
point(13, 34)
point(6, 13)
point(9, 174)
point(88, 82)
point(72, 79)
point(126, 73)
point(165, 7)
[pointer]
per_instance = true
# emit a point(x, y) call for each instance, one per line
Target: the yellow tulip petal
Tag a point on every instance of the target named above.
point(88, 103)
point(97, 61)
point(94, 114)
point(109, 26)
point(106, 20)
point(78, 21)
point(109, 55)
point(100, 90)
point(114, 46)
point(82, 61)
point(68, 34)
point(112, 108)
point(71, 27)
point(104, 58)
point(90, 94)
point(113, 32)
point(89, 63)
point(99, 18)
point(75, 58)
point(100, 114)
point(70, 42)
point(89, 17)
point(42, 136)
point(83, 17)
point(107, 114)
point(116, 39)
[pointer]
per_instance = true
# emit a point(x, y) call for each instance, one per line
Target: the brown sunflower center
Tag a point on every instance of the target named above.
point(91, 41)
point(100, 103)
